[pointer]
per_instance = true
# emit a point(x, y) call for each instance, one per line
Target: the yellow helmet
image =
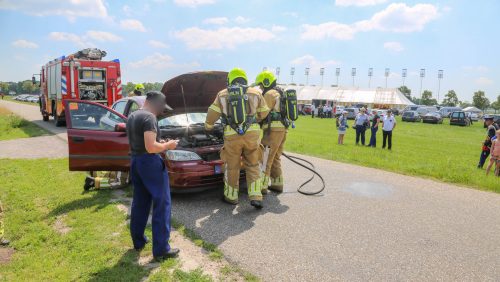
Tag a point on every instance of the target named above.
point(266, 78)
point(234, 74)
point(139, 86)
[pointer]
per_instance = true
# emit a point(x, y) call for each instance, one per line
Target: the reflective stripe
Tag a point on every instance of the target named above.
point(215, 108)
point(229, 131)
point(265, 182)
point(263, 109)
point(230, 192)
point(254, 188)
point(278, 181)
point(275, 124)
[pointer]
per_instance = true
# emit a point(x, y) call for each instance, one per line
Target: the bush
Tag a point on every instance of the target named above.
point(16, 121)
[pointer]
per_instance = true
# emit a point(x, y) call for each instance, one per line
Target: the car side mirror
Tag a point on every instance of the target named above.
point(121, 127)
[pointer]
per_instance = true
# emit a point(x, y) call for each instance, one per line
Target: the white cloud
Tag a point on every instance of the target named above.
point(157, 44)
point(359, 3)
point(131, 24)
point(312, 63)
point(70, 9)
point(193, 3)
point(22, 43)
point(393, 46)
point(103, 36)
point(222, 38)
point(160, 61)
point(328, 30)
point(84, 41)
point(216, 21)
point(397, 17)
point(241, 20)
point(484, 81)
point(278, 28)
point(476, 68)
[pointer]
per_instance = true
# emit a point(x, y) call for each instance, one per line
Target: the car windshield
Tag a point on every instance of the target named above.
point(408, 114)
point(183, 120)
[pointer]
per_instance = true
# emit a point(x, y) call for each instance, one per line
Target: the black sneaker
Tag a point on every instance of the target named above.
point(256, 204)
point(89, 183)
point(173, 253)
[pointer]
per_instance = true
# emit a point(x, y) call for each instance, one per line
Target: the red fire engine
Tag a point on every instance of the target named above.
point(82, 75)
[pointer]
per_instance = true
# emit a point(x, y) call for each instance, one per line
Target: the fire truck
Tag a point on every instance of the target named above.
point(82, 75)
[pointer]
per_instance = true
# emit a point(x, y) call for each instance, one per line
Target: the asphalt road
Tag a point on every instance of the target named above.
point(368, 225)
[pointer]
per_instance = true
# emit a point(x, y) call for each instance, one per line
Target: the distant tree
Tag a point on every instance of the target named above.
point(27, 86)
point(496, 105)
point(4, 87)
point(127, 88)
point(406, 91)
point(464, 104)
point(427, 98)
point(480, 101)
point(450, 99)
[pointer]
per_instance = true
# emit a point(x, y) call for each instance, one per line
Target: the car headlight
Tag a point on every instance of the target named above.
point(179, 155)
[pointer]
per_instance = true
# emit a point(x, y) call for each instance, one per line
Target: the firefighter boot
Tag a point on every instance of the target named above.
point(89, 183)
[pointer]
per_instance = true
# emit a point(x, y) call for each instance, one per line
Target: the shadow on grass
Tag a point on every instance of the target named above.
point(125, 269)
point(99, 199)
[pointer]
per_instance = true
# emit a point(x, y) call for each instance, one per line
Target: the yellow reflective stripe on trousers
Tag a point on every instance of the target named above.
point(230, 192)
point(254, 188)
point(274, 124)
point(277, 181)
point(229, 131)
point(215, 108)
point(262, 109)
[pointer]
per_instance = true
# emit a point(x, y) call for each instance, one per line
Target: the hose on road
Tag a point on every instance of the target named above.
point(312, 169)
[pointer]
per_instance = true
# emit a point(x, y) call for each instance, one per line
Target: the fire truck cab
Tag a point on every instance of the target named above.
point(83, 76)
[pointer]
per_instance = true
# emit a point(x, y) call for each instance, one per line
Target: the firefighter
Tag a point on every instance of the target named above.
point(138, 89)
point(274, 134)
point(3, 241)
point(241, 109)
point(106, 179)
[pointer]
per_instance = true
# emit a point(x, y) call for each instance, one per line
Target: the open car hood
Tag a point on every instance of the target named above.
point(200, 90)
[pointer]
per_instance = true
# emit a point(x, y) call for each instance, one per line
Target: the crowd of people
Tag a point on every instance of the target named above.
point(491, 146)
point(363, 122)
point(322, 111)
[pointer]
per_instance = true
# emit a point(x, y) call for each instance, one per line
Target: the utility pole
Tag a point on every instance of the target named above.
point(404, 75)
point(292, 72)
point(307, 76)
point(387, 71)
point(353, 73)
point(322, 73)
point(422, 75)
point(440, 76)
point(337, 74)
point(370, 74)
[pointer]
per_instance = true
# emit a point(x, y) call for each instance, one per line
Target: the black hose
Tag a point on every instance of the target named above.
point(312, 169)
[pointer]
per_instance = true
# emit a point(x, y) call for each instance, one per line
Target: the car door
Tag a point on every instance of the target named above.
point(96, 137)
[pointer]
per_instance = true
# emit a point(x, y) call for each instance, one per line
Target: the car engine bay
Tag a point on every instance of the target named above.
point(194, 135)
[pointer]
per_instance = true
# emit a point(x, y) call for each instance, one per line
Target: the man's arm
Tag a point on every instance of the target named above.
point(394, 126)
point(154, 147)
point(213, 114)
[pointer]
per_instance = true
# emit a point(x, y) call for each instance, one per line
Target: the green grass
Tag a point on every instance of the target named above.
point(11, 98)
point(442, 152)
point(13, 127)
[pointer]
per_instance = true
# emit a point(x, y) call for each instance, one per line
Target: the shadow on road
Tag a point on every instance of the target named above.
point(214, 220)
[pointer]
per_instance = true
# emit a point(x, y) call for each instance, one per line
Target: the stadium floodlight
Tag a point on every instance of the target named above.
point(387, 72)
point(292, 72)
point(337, 74)
point(307, 75)
point(440, 76)
point(322, 73)
point(353, 73)
point(422, 76)
point(404, 74)
point(370, 74)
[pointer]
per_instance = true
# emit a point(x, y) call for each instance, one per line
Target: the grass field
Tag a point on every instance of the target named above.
point(62, 234)
point(443, 152)
point(13, 127)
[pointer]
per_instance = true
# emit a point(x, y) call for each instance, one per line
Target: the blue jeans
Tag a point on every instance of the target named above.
point(360, 132)
point(483, 158)
point(373, 138)
point(151, 186)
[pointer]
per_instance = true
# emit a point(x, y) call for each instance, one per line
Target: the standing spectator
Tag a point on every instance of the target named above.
point(495, 154)
point(320, 111)
point(389, 123)
point(342, 127)
point(485, 152)
point(360, 123)
point(314, 110)
point(374, 129)
point(469, 116)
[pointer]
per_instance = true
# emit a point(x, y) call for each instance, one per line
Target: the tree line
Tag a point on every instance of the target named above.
point(21, 87)
point(479, 99)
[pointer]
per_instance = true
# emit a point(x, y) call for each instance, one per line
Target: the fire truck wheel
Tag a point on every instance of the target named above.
point(57, 120)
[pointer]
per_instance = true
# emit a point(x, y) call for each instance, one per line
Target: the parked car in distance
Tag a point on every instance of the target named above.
point(352, 112)
point(472, 116)
point(101, 143)
point(410, 108)
point(307, 109)
point(21, 97)
point(33, 99)
point(434, 117)
point(395, 111)
point(411, 116)
point(446, 111)
point(459, 118)
point(422, 111)
point(339, 110)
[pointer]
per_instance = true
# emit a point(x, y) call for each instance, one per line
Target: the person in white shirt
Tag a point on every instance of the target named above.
point(360, 122)
point(389, 123)
point(314, 111)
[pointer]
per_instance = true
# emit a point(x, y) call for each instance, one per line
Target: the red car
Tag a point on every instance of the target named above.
point(97, 138)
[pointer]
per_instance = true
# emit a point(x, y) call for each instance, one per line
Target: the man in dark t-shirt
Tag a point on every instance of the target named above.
point(374, 129)
point(150, 177)
point(490, 133)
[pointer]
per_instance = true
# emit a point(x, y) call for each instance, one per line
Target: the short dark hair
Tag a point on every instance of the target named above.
point(155, 96)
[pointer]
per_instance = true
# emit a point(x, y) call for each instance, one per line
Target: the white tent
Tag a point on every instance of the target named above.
point(377, 97)
point(472, 110)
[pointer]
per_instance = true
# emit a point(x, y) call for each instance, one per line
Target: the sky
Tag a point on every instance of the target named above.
point(159, 39)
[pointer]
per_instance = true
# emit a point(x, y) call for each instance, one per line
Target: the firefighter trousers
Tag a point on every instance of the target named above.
point(110, 179)
point(151, 186)
point(238, 148)
point(273, 142)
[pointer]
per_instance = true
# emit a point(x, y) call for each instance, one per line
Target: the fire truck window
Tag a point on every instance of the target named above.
point(92, 117)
